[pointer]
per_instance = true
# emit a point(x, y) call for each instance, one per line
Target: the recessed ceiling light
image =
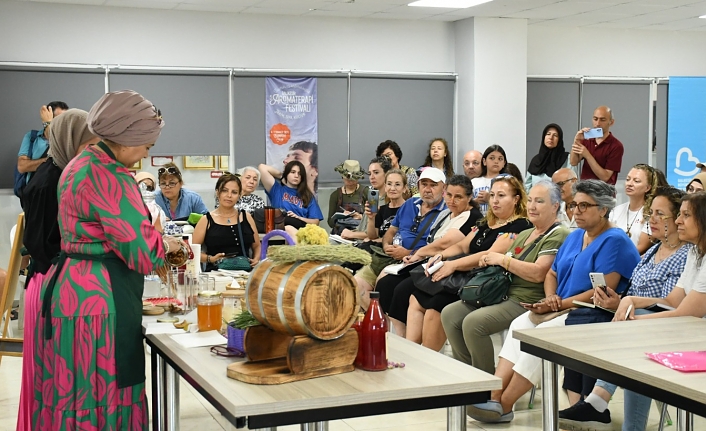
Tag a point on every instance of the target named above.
point(703, 16)
point(449, 4)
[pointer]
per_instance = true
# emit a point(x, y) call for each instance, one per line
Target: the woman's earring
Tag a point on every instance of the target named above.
point(665, 230)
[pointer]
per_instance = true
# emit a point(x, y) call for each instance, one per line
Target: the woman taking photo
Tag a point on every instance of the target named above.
point(391, 150)
point(450, 227)
point(597, 246)
point(177, 202)
point(227, 231)
point(108, 244)
point(438, 157)
point(640, 184)
point(291, 194)
point(377, 169)
point(494, 163)
point(349, 199)
point(552, 156)
point(249, 179)
point(469, 328)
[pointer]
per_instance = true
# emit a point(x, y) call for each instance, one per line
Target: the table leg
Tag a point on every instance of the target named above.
point(685, 420)
point(456, 418)
point(157, 367)
point(310, 426)
point(171, 398)
point(550, 398)
point(321, 426)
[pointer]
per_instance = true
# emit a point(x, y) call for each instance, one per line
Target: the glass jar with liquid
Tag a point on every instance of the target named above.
point(209, 304)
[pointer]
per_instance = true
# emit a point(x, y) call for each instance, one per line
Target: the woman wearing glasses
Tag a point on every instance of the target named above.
point(552, 156)
point(597, 246)
point(654, 277)
point(632, 216)
point(177, 202)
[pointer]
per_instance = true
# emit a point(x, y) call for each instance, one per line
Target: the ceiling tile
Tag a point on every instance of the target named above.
point(145, 4)
point(559, 10)
point(358, 7)
point(274, 11)
point(339, 13)
point(684, 24)
point(668, 3)
point(211, 7)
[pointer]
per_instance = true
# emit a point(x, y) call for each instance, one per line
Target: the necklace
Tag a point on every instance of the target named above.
point(345, 190)
point(666, 242)
point(627, 218)
point(501, 223)
point(227, 217)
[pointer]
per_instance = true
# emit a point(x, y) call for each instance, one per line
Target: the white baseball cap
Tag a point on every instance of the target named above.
point(433, 174)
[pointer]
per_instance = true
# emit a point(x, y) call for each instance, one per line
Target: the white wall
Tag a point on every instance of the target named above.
point(560, 51)
point(91, 34)
point(464, 89)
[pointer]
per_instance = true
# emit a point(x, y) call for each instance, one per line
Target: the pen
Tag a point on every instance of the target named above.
point(628, 313)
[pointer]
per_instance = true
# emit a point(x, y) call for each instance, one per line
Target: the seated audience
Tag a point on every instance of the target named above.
point(565, 178)
point(147, 185)
point(438, 157)
point(392, 150)
point(377, 169)
point(640, 184)
point(472, 164)
point(292, 195)
point(494, 163)
point(249, 178)
point(697, 184)
point(452, 225)
point(469, 328)
point(227, 231)
point(688, 297)
point(597, 246)
point(409, 229)
point(514, 171)
point(176, 202)
point(349, 199)
point(552, 156)
point(655, 277)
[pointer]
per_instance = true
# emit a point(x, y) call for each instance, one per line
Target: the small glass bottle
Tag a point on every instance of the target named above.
point(374, 336)
point(358, 326)
point(209, 304)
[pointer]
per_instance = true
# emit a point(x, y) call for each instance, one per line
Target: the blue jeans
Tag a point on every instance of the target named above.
point(636, 406)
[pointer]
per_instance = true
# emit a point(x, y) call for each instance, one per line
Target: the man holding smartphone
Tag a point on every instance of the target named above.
point(603, 153)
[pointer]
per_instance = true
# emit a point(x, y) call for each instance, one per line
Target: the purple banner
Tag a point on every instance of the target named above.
point(291, 126)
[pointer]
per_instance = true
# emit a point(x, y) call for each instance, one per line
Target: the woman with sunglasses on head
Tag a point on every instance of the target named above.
point(494, 163)
point(288, 190)
point(597, 246)
point(552, 156)
point(249, 178)
point(377, 171)
point(177, 202)
point(697, 184)
point(640, 185)
point(654, 277)
point(228, 231)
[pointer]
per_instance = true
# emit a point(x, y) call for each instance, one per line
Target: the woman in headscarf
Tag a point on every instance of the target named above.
point(697, 184)
point(552, 156)
point(89, 374)
point(68, 136)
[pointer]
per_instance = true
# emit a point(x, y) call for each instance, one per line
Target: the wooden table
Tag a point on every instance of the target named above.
point(615, 352)
point(429, 380)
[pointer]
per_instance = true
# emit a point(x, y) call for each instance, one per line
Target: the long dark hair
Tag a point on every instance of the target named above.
point(697, 205)
point(302, 188)
point(448, 164)
point(490, 149)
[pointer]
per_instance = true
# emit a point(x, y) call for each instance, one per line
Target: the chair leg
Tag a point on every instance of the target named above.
point(663, 412)
point(531, 400)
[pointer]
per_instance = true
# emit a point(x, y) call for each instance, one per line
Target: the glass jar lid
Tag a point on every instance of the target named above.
point(210, 294)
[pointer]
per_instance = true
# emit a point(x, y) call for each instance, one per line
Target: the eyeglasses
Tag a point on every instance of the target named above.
point(561, 183)
point(659, 217)
point(227, 351)
point(168, 185)
point(582, 206)
point(170, 171)
point(415, 226)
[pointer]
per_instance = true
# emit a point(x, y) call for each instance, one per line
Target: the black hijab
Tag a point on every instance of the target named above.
point(549, 160)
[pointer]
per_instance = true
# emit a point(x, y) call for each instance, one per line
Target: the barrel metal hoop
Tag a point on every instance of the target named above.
point(259, 295)
point(280, 297)
point(300, 293)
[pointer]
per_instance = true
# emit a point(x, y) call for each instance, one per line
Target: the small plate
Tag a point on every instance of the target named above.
point(180, 223)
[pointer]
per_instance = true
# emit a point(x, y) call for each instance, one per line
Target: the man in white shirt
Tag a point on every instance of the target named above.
point(472, 164)
point(565, 179)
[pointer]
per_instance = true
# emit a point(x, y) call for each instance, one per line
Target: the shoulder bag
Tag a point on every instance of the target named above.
point(237, 263)
point(381, 259)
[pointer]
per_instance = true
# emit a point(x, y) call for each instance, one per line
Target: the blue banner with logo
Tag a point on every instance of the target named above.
point(291, 126)
point(686, 136)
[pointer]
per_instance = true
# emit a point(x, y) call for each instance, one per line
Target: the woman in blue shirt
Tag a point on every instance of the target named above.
point(596, 246)
point(176, 202)
point(291, 195)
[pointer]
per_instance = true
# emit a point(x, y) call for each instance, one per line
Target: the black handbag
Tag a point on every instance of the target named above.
point(451, 284)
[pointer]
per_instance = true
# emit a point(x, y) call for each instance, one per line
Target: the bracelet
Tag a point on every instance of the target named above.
point(208, 259)
point(166, 246)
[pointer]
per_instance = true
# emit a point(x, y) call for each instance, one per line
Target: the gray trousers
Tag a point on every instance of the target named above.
point(468, 330)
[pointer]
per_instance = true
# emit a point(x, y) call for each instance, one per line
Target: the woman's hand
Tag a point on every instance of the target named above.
point(625, 303)
point(397, 252)
point(608, 299)
point(216, 258)
point(538, 308)
point(482, 196)
point(292, 214)
point(447, 269)
point(553, 302)
point(492, 258)
point(412, 258)
point(367, 211)
point(254, 262)
point(172, 243)
point(347, 234)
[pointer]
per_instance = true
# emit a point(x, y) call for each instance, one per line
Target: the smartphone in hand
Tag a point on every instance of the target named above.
point(373, 199)
point(593, 133)
point(597, 280)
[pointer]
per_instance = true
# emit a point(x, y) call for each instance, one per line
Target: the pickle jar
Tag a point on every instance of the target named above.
point(209, 304)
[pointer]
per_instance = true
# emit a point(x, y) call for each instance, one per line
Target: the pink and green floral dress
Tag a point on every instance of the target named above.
point(90, 365)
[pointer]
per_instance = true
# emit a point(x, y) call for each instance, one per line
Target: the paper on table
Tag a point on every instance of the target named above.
point(200, 339)
point(162, 328)
point(681, 361)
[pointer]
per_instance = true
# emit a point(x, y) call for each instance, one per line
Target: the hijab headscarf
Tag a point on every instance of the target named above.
point(700, 178)
point(66, 134)
point(549, 160)
point(126, 118)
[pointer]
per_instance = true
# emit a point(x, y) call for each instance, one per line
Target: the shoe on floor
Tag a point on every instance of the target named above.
point(582, 416)
point(489, 412)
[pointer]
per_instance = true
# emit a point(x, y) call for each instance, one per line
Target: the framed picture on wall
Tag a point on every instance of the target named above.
point(161, 160)
point(137, 166)
point(223, 162)
point(199, 162)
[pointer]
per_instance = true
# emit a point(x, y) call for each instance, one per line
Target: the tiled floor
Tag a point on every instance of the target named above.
point(198, 415)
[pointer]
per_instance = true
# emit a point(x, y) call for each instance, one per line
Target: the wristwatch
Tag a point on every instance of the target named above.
point(46, 124)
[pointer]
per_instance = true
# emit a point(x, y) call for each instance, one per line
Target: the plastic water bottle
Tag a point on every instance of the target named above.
point(397, 240)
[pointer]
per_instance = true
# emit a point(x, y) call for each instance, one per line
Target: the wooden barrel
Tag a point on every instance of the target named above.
point(314, 298)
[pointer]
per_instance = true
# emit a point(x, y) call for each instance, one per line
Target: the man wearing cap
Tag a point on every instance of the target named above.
point(349, 199)
point(410, 227)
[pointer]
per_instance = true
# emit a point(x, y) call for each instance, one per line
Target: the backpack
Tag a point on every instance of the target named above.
point(21, 178)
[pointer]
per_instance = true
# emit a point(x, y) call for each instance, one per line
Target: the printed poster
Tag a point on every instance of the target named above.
point(686, 134)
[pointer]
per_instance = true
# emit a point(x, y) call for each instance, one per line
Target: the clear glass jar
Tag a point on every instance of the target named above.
point(209, 304)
